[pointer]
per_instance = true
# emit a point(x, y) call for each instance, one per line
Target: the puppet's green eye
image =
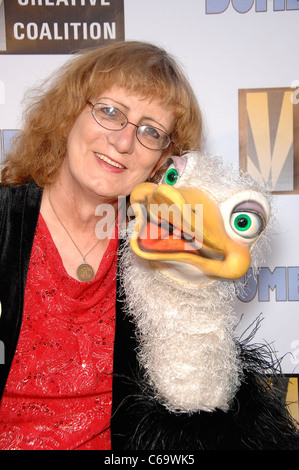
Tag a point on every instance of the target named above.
point(242, 222)
point(171, 176)
point(247, 224)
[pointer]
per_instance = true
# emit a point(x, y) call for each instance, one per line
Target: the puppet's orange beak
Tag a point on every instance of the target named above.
point(184, 226)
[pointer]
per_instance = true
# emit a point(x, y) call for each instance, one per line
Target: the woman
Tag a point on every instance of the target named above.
point(107, 122)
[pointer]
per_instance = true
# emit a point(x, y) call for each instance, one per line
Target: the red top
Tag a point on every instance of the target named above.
point(59, 390)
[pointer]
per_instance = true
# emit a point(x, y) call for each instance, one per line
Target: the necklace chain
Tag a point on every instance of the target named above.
point(83, 256)
point(84, 271)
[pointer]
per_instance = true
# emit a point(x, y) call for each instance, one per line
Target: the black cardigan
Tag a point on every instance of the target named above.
point(19, 211)
point(257, 419)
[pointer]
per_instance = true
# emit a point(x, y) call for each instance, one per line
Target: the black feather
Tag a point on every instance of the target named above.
point(257, 419)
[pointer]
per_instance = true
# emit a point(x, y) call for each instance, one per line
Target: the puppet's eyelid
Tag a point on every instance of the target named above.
point(245, 216)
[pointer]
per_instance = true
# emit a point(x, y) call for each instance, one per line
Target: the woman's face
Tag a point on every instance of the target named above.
point(111, 163)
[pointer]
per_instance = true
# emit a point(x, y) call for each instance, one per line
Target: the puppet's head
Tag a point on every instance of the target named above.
point(200, 221)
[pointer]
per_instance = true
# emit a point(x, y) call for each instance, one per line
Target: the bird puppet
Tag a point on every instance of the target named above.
point(193, 236)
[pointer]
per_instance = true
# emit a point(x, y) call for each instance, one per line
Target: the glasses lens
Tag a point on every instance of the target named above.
point(113, 119)
point(152, 137)
point(109, 117)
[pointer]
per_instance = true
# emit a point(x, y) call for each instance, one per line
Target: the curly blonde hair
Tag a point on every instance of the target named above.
point(138, 67)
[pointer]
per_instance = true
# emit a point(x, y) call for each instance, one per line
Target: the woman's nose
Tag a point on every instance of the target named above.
point(124, 139)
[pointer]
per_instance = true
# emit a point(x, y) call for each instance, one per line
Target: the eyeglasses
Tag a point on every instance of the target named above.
point(113, 119)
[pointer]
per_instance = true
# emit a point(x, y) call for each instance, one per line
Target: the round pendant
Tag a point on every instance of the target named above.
point(85, 272)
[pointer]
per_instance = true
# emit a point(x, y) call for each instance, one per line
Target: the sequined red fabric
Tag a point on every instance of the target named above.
point(59, 390)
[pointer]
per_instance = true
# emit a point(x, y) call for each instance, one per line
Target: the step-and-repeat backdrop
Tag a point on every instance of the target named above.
point(241, 57)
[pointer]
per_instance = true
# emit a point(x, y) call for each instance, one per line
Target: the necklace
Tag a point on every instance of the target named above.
point(84, 271)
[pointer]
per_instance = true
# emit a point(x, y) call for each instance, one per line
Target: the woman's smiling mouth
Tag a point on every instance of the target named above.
point(109, 161)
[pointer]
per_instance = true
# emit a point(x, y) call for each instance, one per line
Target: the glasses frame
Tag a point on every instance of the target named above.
point(128, 122)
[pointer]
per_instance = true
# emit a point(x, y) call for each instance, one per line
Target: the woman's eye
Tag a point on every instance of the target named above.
point(152, 132)
point(247, 224)
point(109, 112)
point(171, 176)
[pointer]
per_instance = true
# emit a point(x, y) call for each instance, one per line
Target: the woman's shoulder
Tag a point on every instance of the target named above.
point(30, 188)
point(12, 197)
point(19, 210)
